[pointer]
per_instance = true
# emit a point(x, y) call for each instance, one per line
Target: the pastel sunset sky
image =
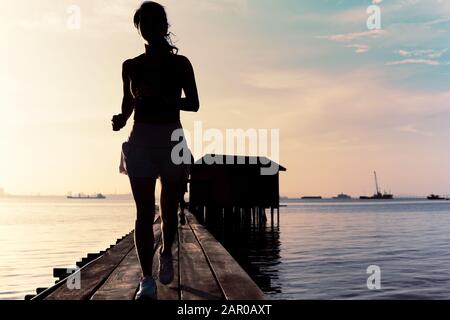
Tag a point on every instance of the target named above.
point(347, 100)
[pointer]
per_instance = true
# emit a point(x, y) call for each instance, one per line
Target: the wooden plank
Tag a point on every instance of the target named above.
point(172, 290)
point(197, 281)
point(123, 283)
point(94, 274)
point(227, 271)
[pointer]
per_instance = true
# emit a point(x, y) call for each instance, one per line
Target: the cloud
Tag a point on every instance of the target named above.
point(430, 53)
point(359, 48)
point(323, 108)
point(410, 128)
point(348, 37)
point(421, 56)
point(377, 1)
point(437, 21)
point(414, 61)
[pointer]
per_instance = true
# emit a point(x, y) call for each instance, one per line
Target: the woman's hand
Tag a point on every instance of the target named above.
point(119, 122)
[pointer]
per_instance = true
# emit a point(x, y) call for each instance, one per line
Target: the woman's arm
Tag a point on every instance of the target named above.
point(120, 120)
point(128, 99)
point(191, 102)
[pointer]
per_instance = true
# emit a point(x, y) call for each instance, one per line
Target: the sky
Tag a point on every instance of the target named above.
point(347, 100)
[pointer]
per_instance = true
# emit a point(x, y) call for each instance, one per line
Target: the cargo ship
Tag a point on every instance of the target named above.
point(81, 196)
point(342, 196)
point(378, 195)
point(436, 197)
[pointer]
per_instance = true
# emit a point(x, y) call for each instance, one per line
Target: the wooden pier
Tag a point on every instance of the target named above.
point(204, 270)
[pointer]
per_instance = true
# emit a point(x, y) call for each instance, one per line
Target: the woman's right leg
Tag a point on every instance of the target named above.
point(144, 195)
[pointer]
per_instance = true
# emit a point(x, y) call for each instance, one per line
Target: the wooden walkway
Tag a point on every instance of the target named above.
point(204, 270)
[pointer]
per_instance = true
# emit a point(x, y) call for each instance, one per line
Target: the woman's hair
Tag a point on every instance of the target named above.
point(151, 21)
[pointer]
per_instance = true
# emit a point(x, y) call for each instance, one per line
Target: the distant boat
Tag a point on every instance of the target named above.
point(342, 196)
point(80, 196)
point(436, 197)
point(378, 195)
point(312, 198)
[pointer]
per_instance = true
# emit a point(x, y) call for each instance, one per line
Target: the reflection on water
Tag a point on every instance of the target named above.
point(257, 249)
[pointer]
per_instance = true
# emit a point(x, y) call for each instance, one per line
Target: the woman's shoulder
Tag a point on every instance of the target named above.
point(182, 62)
point(129, 63)
point(130, 66)
point(181, 59)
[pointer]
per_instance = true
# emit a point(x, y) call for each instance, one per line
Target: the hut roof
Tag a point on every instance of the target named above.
point(234, 160)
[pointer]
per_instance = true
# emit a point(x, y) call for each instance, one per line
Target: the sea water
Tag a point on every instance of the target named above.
point(320, 250)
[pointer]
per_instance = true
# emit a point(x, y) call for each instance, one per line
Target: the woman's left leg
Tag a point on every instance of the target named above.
point(170, 196)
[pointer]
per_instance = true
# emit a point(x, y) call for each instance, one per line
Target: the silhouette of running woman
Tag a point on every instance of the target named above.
point(153, 83)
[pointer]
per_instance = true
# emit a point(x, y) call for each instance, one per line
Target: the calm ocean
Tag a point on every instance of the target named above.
point(321, 250)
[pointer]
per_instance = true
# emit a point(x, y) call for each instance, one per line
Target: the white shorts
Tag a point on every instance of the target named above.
point(148, 153)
